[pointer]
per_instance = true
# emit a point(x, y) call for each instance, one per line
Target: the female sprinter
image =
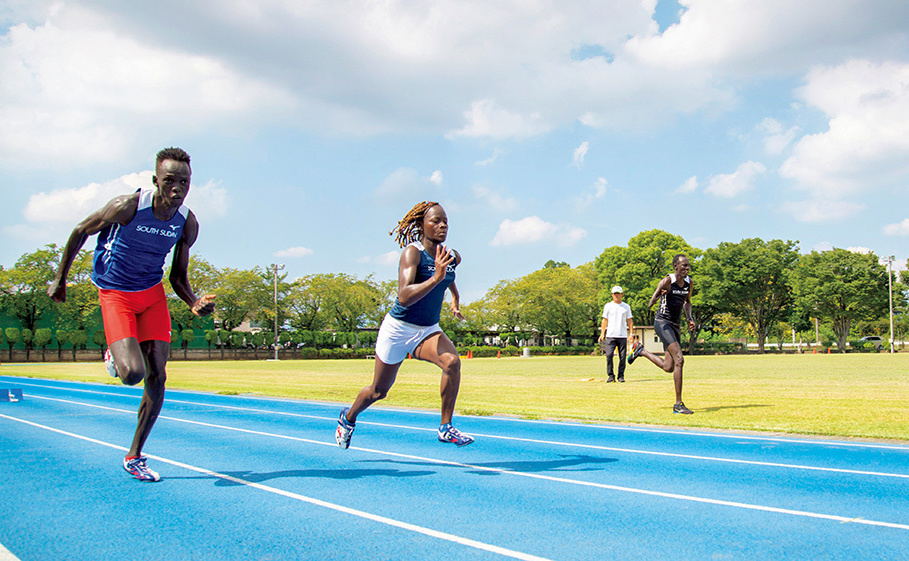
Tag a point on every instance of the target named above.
point(425, 271)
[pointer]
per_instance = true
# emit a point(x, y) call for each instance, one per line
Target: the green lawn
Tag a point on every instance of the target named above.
point(854, 395)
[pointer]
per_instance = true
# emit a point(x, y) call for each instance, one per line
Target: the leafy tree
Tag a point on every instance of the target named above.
point(560, 301)
point(555, 264)
point(841, 286)
point(81, 309)
point(335, 300)
point(43, 336)
point(25, 286)
point(242, 294)
point(99, 339)
point(501, 307)
point(62, 336)
point(78, 338)
point(187, 336)
point(750, 279)
point(639, 267)
point(28, 337)
point(12, 337)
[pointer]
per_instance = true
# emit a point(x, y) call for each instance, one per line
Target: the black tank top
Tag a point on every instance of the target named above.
point(671, 302)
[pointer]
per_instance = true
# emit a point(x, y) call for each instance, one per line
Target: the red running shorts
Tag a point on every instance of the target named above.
point(142, 315)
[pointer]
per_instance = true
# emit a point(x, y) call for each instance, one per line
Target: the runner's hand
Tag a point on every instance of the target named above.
point(204, 306)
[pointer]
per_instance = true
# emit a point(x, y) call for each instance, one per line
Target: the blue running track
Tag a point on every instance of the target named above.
point(260, 478)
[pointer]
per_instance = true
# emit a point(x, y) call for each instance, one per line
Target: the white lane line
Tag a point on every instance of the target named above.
point(7, 555)
point(302, 498)
point(746, 506)
point(680, 432)
point(547, 442)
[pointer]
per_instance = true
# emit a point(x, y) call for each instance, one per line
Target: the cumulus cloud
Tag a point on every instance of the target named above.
point(729, 185)
point(293, 252)
point(486, 119)
point(408, 183)
point(776, 138)
point(385, 260)
point(72, 205)
point(533, 229)
point(77, 89)
point(492, 200)
point(579, 154)
point(898, 229)
point(865, 146)
point(821, 210)
point(690, 185)
point(598, 193)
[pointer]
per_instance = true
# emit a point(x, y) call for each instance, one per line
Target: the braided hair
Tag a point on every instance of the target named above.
point(410, 228)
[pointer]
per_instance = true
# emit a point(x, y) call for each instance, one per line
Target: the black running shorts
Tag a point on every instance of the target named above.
point(667, 331)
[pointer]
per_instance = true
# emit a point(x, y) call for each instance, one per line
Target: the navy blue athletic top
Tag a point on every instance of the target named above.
point(671, 303)
point(427, 310)
point(131, 258)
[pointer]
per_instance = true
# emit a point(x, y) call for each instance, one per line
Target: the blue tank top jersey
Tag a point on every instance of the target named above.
point(427, 310)
point(130, 258)
point(671, 303)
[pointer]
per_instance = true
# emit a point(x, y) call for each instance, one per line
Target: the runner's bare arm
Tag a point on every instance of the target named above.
point(119, 210)
point(179, 270)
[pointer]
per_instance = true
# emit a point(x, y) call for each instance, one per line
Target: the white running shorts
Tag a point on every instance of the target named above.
point(397, 338)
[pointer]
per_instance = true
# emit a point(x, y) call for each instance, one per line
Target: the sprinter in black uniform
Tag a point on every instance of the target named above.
point(674, 295)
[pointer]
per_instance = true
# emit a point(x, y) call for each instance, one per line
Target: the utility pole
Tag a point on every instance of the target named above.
point(890, 287)
point(276, 268)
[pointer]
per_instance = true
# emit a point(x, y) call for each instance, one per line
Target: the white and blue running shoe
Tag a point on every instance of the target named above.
point(109, 363)
point(137, 468)
point(447, 433)
point(345, 430)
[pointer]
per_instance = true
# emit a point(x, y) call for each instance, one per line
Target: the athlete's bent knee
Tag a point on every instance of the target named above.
point(451, 363)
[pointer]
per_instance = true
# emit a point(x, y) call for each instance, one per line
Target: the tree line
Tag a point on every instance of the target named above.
point(753, 288)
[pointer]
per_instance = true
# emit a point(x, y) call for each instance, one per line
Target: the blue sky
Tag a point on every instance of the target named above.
point(548, 130)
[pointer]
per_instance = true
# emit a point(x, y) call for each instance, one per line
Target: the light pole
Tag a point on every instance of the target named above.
point(276, 268)
point(890, 288)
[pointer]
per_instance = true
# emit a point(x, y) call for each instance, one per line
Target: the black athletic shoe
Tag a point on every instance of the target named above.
point(680, 408)
point(622, 379)
point(636, 350)
point(610, 379)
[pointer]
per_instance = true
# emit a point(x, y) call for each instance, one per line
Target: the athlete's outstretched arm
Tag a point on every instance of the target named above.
point(686, 305)
point(119, 210)
point(179, 270)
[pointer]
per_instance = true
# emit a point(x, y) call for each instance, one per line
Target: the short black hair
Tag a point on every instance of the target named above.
point(172, 153)
point(677, 258)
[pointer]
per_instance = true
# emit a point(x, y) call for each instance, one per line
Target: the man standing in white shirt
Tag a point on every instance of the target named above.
point(614, 330)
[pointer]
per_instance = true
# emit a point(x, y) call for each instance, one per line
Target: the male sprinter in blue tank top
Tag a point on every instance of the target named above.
point(135, 234)
point(674, 294)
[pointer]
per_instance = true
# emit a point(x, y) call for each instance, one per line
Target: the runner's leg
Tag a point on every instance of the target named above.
point(439, 350)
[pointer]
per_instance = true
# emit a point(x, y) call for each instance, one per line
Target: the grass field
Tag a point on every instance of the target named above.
point(854, 395)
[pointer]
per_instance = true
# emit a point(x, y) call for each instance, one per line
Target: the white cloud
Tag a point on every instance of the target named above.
point(690, 185)
point(486, 119)
point(598, 194)
point(821, 210)
point(533, 229)
point(407, 183)
point(579, 154)
point(293, 252)
point(72, 205)
point(77, 89)
point(208, 201)
point(776, 139)
point(732, 184)
point(865, 147)
point(385, 260)
point(492, 159)
point(898, 229)
point(492, 200)
point(772, 36)
point(861, 250)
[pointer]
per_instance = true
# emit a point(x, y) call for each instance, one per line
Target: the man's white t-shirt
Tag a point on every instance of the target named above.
point(617, 319)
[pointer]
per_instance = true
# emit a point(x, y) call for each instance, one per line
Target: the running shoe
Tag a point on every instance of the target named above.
point(447, 433)
point(137, 468)
point(621, 379)
point(636, 349)
point(109, 363)
point(345, 429)
point(611, 378)
point(680, 408)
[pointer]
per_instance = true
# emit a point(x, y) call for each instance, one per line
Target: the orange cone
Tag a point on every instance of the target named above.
point(469, 354)
point(498, 354)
